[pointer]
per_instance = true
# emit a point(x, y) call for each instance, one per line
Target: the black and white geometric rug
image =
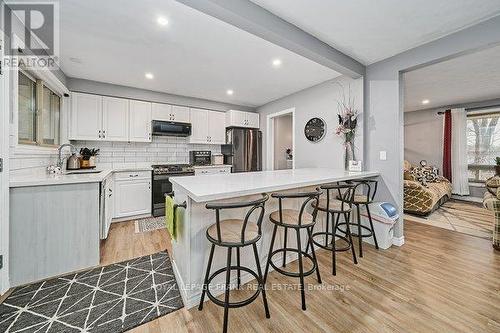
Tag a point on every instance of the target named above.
point(112, 298)
point(150, 224)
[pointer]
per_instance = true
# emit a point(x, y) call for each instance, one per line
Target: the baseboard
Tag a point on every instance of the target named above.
point(398, 241)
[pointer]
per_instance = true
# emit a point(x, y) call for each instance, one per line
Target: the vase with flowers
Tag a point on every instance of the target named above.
point(348, 121)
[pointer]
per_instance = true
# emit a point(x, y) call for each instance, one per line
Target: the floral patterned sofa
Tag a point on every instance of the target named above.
point(423, 196)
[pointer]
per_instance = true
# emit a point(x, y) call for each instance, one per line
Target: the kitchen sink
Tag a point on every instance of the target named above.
point(81, 172)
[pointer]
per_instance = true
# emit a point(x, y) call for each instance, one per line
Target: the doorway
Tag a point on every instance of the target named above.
point(281, 140)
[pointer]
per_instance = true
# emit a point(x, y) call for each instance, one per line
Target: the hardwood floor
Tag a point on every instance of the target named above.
point(439, 281)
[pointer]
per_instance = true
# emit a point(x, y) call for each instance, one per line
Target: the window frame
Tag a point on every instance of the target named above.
point(482, 113)
point(39, 86)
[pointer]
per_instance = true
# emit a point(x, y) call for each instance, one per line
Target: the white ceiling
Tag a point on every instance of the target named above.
point(470, 78)
point(372, 30)
point(117, 41)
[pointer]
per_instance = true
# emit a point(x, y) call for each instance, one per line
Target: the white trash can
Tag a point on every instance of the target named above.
point(384, 216)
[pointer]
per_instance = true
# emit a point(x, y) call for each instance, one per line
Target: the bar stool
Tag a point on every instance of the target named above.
point(296, 220)
point(235, 233)
point(336, 207)
point(365, 198)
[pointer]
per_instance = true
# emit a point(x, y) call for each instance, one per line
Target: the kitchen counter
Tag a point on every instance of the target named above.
point(191, 247)
point(43, 179)
point(212, 166)
point(218, 187)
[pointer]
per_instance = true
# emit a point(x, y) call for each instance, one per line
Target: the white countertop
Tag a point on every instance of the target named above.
point(43, 179)
point(219, 187)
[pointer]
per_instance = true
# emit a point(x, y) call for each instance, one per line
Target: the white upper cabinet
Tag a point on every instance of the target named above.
point(86, 117)
point(235, 118)
point(199, 129)
point(208, 127)
point(140, 121)
point(162, 111)
point(180, 114)
point(216, 127)
point(253, 119)
point(115, 119)
point(168, 112)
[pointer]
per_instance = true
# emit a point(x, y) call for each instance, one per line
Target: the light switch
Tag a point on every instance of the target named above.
point(383, 155)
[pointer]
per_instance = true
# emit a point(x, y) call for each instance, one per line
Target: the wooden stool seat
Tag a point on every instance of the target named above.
point(230, 231)
point(291, 218)
point(337, 206)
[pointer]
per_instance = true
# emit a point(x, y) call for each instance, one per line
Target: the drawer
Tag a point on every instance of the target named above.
point(132, 175)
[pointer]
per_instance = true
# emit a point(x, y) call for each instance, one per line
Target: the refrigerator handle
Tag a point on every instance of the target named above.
point(259, 151)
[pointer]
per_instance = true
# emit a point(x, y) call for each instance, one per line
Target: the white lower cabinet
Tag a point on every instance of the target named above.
point(201, 171)
point(132, 194)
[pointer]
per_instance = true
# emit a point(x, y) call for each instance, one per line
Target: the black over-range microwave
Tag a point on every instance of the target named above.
point(170, 128)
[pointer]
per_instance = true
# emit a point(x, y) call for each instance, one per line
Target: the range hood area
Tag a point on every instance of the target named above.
point(170, 128)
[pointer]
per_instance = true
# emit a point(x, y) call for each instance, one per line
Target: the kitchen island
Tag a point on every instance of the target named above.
point(191, 248)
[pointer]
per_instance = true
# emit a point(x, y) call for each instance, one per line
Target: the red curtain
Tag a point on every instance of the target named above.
point(447, 146)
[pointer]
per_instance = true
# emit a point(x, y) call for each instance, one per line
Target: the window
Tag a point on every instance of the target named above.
point(38, 112)
point(483, 144)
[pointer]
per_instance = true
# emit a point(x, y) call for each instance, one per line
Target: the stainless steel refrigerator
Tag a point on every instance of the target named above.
point(243, 149)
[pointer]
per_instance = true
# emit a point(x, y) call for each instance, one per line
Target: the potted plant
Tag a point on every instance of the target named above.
point(348, 121)
point(497, 166)
point(88, 157)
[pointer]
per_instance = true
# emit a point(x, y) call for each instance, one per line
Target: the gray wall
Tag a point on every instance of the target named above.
point(283, 140)
point(423, 133)
point(318, 101)
point(107, 89)
point(383, 100)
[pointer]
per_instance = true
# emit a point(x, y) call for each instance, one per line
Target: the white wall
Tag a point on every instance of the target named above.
point(283, 140)
point(423, 137)
point(318, 101)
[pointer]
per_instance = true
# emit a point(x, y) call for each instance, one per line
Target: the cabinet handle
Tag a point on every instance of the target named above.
point(100, 136)
point(133, 176)
point(103, 134)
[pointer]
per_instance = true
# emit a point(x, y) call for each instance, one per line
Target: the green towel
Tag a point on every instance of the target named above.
point(170, 219)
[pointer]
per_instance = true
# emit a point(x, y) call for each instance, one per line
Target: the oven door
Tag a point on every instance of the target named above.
point(162, 186)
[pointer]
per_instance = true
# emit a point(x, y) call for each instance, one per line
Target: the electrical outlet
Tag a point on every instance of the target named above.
point(383, 155)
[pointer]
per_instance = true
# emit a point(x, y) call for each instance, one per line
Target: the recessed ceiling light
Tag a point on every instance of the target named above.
point(149, 76)
point(425, 101)
point(277, 62)
point(229, 92)
point(162, 21)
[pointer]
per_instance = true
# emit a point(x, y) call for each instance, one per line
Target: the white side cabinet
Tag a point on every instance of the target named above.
point(132, 193)
point(115, 119)
point(212, 170)
point(207, 127)
point(140, 121)
point(86, 117)
point(235, 118)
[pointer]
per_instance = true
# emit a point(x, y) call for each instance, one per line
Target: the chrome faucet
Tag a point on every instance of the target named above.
point(60, 161)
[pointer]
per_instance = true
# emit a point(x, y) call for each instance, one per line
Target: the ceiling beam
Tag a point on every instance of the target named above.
point(254, 19)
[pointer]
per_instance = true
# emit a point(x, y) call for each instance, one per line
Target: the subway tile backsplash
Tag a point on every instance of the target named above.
point(162, 150)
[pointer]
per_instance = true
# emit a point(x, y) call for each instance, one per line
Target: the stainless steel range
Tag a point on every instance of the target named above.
point(162, 184)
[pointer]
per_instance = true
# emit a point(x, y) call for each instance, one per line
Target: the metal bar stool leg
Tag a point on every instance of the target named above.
point(310, 233)
point(360, 239)
point(284, 243)
point(261, 281)
point(238, 264)
point(334, 254)
point(348, 230)
point(301, 271)
point(270, 251)
point(207, 274)
point(226, 297)
point(371, 226)
point(327, 227)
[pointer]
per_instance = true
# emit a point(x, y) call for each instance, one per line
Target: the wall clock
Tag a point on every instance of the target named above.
point(315, 129)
